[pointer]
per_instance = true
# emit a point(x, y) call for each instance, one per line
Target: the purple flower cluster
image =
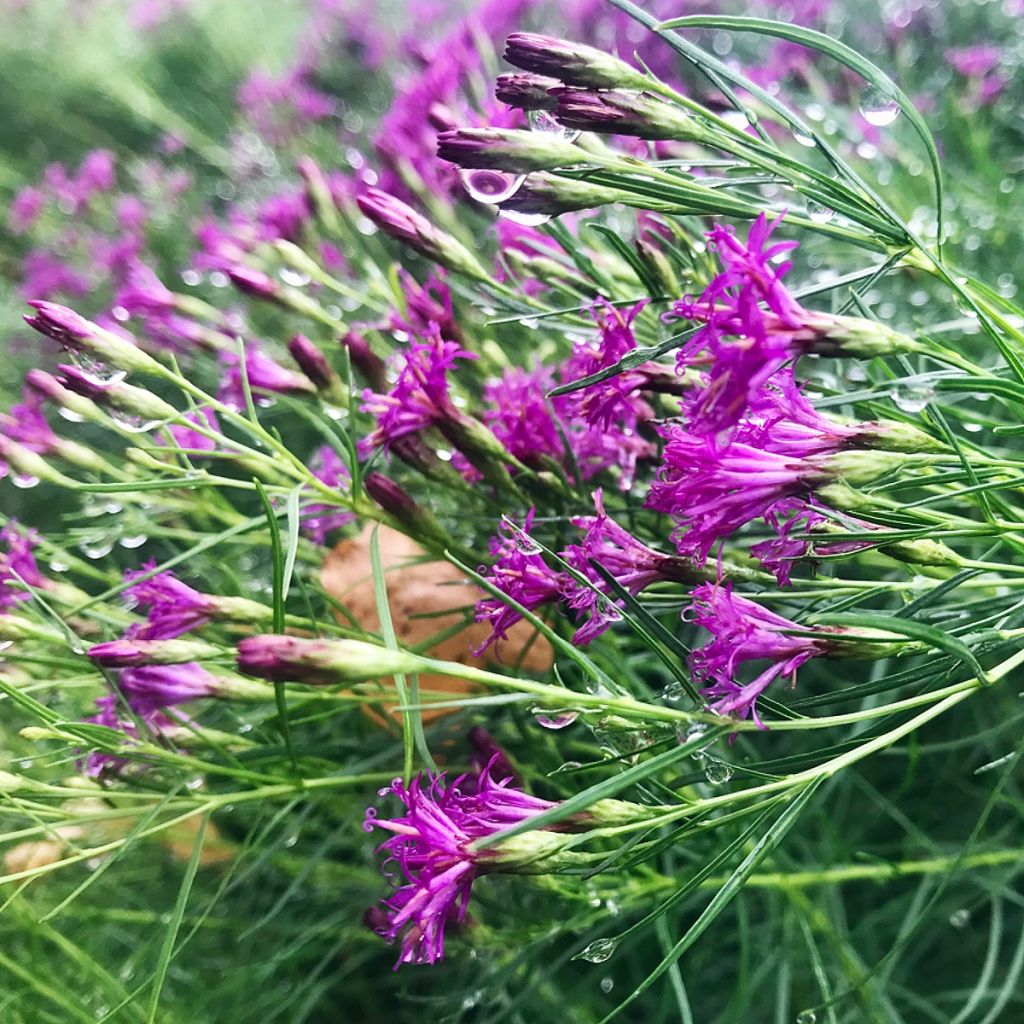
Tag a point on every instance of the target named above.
point(431, 849)
point(419, 398)
point(17, 565)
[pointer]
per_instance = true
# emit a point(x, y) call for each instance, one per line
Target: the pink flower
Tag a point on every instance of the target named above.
point(431, 847)
point(743, 631)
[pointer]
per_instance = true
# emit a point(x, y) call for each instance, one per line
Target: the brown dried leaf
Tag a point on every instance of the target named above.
point(425, 598)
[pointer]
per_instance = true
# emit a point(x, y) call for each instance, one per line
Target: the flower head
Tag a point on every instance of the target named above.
point(520, 416)
point(431, 847)
point(419, 399)
point(149, 687)
point(192, 440)
point(520, 573)
point(712, 491)
point(173, 607)
point(100, 762)
point(634, 566)
point(743, 631)
point(17, 565)
point(327, 466)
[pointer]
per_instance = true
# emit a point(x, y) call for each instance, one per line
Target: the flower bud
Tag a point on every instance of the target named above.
point(507, 149)
point(399, 504)
point(854, 336)
point(125, 398)
point(526, 91)
point(923, 552)
point(27, 463)
point(80, 335)
point(551, 194)
point(402, 222)
point(314, 365)
point(571, 62)
point(320, 662)
point(47, 386)
point(318, 193)
point(366, 361)
point(255, 283)
point(625, 113)
point(128, 652)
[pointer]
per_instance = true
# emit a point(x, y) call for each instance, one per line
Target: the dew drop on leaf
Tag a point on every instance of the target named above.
point(598, 951)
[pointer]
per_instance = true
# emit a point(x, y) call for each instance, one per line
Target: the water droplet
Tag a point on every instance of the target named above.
point(546, 122)
point(911, 399)
point(70, 416)
point(527, 220)
point(135, 540)
point(674, 693)
point(804, 139)
point(607, 985)
point(598, 951)
point(717, 772)
point(58, 567)
point(878, 108)
point(191, 277)
point(24, 481)
point(558, 720)
point(491, 186)
point(332, 412)
point(531, 323)
point(294, 278)
point(695, 732)
point(95, 371)
point(291, 840)
point(806, 1017)
point(960, 918)
point(131, 423)
point(97, 545)
point(819, 213)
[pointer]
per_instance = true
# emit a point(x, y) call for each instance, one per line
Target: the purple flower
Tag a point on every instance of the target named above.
point(974, 61)
point(263, 374)
point(319, 520)
point(796, 524)
point(172, 607)
point(712, 491)
point(427, 303)
point(520, 415)
point(25, 209)
point(149, 687)
point(520, 573)
point(634, 566)
point(144, 293)
point(17, 565)
point(747, 301)
point(743, 631)
point(26, 424)
point(781, 420)
point(610, 400)
point(99, 762)
point(419, 399)
point(431, 846)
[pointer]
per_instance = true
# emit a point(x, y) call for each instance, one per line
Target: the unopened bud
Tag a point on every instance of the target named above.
point(571, 62)
point(507, 149)
point(320, 662)
point(526, 91)
point(314, 365)
point(80, 335)
point(625, 113)
point(402, 222)
point(125, 398)
point(128, 652)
